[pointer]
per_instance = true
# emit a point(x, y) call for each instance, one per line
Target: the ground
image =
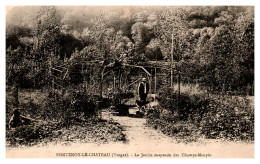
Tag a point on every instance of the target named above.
point(136, 130)
point(140, 139)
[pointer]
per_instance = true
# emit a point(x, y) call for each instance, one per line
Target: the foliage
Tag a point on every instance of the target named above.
point(172, 26)
point(213, 116)
point(16, 67)
point(216, 42)
point(229, 118)
point(211, 45)
point(48, 121)
point(184, 105)
point(82, 103)
point(30, 134)
point(42, 133)
point(13, 33)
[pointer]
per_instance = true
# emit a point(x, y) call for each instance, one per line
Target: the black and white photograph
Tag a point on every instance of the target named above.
point(130, 82)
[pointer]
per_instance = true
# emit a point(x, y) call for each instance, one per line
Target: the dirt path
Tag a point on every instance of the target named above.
point(141, 140)
point(136, 130)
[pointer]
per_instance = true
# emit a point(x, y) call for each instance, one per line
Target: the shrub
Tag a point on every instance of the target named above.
point(228, 118)
point(58, 121)
point(81, 102)
point(213, 116)
point(31, 134)
point(184, 105)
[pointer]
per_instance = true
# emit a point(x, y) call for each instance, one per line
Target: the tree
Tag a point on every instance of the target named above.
point(140, 35)
point(243, 51)
point(16, 69)
point(47, 43)
point(122, 48)
point(153, 50)
point(13, 35)
point(172, 23)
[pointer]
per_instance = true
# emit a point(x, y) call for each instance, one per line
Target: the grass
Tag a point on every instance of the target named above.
point(209, 116)
point(85, 131)
point(51, 125)
point(188, 88)
point(182, 131)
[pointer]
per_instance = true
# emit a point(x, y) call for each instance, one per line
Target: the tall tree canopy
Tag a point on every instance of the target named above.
point(212, 44)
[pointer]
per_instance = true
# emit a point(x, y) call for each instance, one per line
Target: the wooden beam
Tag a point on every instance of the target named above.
point(136, 66)
point(56, 70)
point(65, 74)
point(132, 83)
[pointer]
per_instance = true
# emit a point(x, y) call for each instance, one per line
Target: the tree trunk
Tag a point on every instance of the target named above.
point(16, 96)
point(101, 82)
point(172, 63)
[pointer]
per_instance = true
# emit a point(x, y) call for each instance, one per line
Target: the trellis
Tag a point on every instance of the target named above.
point(158, 72)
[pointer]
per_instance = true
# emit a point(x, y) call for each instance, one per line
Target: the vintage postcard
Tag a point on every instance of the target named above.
point(130, 82)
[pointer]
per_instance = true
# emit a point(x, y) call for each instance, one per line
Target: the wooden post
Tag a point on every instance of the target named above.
point(101, 84)
point(119, 78)
point(61, 86)
point(151, 89)
point(50, 73)
point(172, 63)
point(82, 73)
point(179, 84)
point(114, 85)
point(62, 105)
point(155, 78)
point(150, 79)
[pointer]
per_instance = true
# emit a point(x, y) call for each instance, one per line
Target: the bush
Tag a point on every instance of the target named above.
point(31, 134)
point(182, 131)
point(213, 116)
point(184, 105)
point(75, 74)
point(81, 102)
point(228, 118)
point(53, 123)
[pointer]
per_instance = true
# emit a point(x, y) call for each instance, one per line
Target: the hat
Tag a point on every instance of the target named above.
point(144, 79)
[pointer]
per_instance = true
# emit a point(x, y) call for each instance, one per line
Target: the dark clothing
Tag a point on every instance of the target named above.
point(140, 103)
point(143, 90)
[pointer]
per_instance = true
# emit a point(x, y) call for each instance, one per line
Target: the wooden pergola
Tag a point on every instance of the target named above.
point(152, 66)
